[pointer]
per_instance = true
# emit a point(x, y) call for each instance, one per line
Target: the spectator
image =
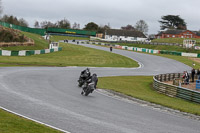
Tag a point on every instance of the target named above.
point(193, 73)
point(186, 77)
point(110, 48)
point(198, 74)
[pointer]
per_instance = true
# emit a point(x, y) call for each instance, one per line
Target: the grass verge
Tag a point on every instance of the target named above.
point(11, 123)
point(141, 87)
point(173, 40)
point(185, 60)
point(57, 38)
point(71, 55)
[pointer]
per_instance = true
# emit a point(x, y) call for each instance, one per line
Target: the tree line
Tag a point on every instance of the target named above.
point(65, 24)
point(14, 20)
point(167, 22)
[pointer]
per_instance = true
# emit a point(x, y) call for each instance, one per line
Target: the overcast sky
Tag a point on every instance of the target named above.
point(115, 12)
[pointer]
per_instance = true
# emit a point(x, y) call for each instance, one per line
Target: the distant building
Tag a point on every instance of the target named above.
point(124, 35)
point(178, 34)
point(100, 35)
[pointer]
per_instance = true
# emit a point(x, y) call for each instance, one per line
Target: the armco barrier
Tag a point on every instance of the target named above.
point(189, 54)
point(172, 90)
point(154, 51)
point(28, 52)
point(14, 53)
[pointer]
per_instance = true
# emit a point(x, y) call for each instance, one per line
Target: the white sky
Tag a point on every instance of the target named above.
point(115, 12)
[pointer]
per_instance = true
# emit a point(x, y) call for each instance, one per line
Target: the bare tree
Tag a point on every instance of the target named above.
point(13, 20)
point(63, 24)
point(47, 24)
point(103, 28)
point(76, 26)
point(128, 27)
point(23, 22)
point(142, 26)
point(37, 25)
point(1, 7)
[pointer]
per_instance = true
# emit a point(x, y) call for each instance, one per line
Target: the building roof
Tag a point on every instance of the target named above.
point(160, 33)
point(130, 33)
point(175, 32)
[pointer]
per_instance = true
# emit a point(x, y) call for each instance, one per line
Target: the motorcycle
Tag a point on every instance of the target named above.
point(88, 88)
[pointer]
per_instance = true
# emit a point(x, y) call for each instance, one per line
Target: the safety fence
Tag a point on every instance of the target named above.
point(142, 42)
point(43, 32)
point(26, 29)
point(28, 52)
point(70, 35)
point(173, 90)
point(71, 31)
point(153, 51)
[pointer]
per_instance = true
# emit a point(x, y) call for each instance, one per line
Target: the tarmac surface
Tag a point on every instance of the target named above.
point(51, 95)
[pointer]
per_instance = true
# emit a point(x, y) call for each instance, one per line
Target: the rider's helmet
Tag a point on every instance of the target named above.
point(87, 70)
point(94, 74)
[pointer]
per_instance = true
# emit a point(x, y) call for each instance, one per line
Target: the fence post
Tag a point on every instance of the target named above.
point(165, 77)
point(169, 78)
point(175, 91)
point(161, 77)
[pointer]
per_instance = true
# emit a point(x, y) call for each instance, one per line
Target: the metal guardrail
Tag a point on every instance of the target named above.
point(142, 42)
point(172, 90)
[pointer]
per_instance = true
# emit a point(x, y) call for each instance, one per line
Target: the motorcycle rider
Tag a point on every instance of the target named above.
point(85, 73)
point(92, 79)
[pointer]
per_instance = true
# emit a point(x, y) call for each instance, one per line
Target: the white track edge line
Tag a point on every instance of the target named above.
point(34, 120)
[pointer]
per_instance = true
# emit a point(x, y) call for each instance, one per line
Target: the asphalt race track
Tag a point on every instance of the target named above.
point(50, 95)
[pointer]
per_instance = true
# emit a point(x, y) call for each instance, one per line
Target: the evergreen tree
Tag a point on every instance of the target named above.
point(172, 22)
point(91, 26)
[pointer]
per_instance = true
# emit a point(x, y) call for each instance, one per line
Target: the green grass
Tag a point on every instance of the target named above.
point(141, 87)
point(57, 38)
point(40, 43)
point(71, 55)
point(169, 40)
point(173, 40)
point(185, 60)
point(10, 123)
point(75, 55)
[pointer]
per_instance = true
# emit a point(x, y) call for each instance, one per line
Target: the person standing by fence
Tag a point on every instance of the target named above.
point(193, 73)
point(198, 74)
point(186, 77)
